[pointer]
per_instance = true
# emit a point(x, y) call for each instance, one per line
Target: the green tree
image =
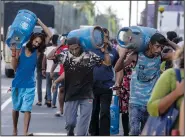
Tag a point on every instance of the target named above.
point(112, 21)
point(88, 8)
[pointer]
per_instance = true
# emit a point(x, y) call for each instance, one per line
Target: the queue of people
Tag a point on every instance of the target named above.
point(84, 79)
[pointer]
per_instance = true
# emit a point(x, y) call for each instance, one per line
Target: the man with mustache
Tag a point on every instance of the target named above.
point(23, 85)
point(78, 67)
point(143, 79)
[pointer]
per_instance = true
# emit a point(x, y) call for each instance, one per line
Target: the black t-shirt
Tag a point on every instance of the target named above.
point(78, 74)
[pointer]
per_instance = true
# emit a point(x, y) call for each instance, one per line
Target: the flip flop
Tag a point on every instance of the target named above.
point(30, 134)
point(59, 114)
point(48, 104)
point(39, 104)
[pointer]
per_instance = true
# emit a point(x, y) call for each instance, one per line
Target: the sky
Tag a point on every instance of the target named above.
point(121, 9)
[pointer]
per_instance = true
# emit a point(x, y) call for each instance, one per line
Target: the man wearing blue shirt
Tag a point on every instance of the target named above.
point(103, 80)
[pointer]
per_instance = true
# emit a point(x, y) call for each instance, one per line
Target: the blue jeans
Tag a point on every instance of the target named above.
point(138, 116)
point(39, 85)
point(48, 87)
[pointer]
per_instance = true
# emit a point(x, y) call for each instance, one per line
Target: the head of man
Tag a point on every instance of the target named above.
point(37, 41)
point(156, 45)
point(55, 40)
point(106, 35)
point(74, 46)
point(171, 35)
point(177, 40)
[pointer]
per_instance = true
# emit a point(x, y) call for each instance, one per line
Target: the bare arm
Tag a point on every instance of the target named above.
point(46, 30)
point(169, 56)
point(51, 55)
point(119, 78)
point(44, 62)
point(15, 57)
point(125, 61)
point(14, 63)
point(173, 45)
point(119, 74)
point(60, 78)
point(53, 67)
point(44, 65)
point(107, 60)
point(52, 70)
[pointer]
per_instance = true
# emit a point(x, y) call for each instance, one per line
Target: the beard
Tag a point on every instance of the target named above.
point(31, 47)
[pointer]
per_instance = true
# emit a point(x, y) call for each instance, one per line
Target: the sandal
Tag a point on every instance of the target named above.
point(54, 107)
point(39, 104)
point(59, 114)
point(48, 104)
point(31, 134)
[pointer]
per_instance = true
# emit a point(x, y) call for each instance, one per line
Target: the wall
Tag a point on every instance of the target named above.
point(169, 22)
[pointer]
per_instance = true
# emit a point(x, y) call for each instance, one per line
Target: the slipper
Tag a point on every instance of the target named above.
point(31, 134)
point(9, 90)
point(48, 104)
point(39, 104)
point(59, 114)
point(54, 107)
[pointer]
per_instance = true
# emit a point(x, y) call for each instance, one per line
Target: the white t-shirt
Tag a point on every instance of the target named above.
point(181, 44)
point(50, 62)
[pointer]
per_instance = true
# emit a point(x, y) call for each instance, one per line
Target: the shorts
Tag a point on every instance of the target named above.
point(22, 99)
point(61, 84)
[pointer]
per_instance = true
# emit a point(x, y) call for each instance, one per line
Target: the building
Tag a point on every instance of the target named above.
point(170, 19)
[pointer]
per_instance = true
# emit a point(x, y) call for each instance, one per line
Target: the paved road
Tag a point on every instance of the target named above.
point(43, 121)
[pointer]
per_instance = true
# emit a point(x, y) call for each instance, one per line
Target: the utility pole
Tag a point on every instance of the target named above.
point(1, 26)
point(156, 14)
point(62, 18)
point(130, 12)
point(146, 13)
point(137, 12)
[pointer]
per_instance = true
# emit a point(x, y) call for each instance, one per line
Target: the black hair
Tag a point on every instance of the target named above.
point(55, 39)
point(106, 31)
point(43, 33)
point(171, 35)
point(41, 47)
point(177, 40)
point(157, 37)
point(73, 40)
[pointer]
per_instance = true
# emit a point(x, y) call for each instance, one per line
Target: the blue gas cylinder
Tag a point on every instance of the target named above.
point(135, 37)
point(21, 28)
point(91, 37)
point(114, 113)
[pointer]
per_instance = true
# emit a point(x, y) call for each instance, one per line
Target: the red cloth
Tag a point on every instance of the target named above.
point(62, 48)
